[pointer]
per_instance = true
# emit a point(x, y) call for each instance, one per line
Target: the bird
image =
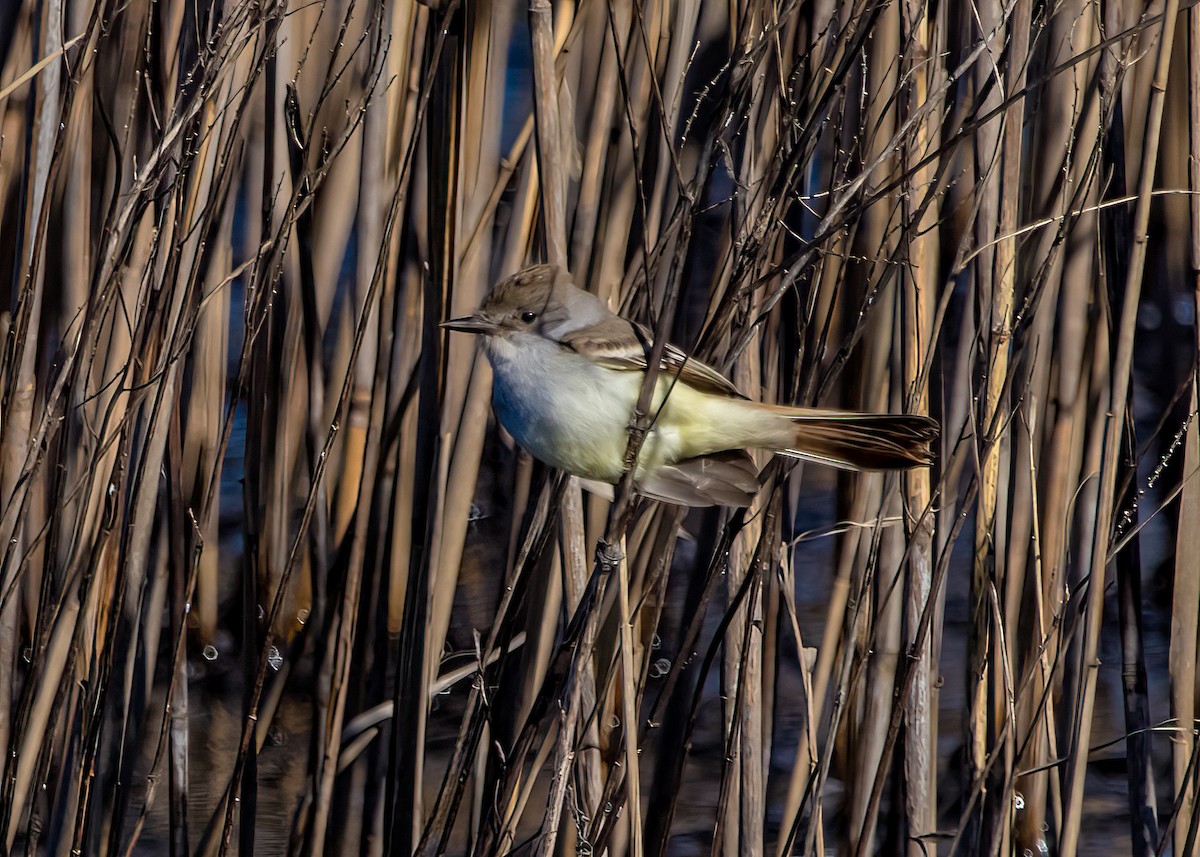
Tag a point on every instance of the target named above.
point(568, 372)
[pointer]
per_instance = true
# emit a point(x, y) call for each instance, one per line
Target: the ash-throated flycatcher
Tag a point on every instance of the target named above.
point(568, 373)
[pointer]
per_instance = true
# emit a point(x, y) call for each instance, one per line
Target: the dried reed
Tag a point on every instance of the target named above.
point(252, 496)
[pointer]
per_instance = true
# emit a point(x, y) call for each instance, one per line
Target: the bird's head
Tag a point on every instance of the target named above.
point(540, 300)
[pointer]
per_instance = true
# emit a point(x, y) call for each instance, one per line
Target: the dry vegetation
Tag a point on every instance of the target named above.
point(243, 471)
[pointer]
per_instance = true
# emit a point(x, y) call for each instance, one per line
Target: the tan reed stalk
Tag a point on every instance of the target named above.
point(1069, 278)
point(629, 712)
point(342, 637)
point(831, 269)
point(997, 156)
point(566, 755)
point(917, 294)
point(1005, 265)
point(547, 185)
point(620, 199)
point(371, 210)
point(743, 826)
point(587, 758)
point(467, 393)
point(742, 822)
point(1185, 594)
point(18, 422)
point(551, 158)
point(406, 26)
point(603, 101)
point(1122, 365)
point(443, 387)
point(879, 553)
point(40, 715)
point(668, 104)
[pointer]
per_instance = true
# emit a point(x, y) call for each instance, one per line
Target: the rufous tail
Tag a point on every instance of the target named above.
point(856, 441)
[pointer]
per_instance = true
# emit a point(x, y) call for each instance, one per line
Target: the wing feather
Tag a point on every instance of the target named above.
point(723, 479)
point(625, 346)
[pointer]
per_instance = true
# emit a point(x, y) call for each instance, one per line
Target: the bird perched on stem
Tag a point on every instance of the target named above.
point(568, 373)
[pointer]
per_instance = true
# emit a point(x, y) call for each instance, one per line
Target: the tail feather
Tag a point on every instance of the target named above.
point(856, 441)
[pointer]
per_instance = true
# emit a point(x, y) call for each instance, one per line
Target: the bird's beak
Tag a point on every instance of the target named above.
point(470, 324)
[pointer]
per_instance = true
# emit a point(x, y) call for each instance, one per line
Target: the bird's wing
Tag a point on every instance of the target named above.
point(621, 344)
point(726, 478)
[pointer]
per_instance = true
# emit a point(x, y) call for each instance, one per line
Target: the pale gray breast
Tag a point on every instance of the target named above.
point(560, 407)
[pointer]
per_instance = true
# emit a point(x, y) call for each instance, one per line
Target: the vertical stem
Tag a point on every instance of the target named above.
point(1000, 164)
point(582, 696)
point(549, 134)
point(15, 446)
point(404, 810)
point(629, 710)
point(1185, 596)
point(917, 297)
point(1122, 367)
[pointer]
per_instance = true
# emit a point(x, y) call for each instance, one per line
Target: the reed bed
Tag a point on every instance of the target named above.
point(272, 580)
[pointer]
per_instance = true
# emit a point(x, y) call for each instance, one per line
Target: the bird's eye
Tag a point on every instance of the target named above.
point(528, 317)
